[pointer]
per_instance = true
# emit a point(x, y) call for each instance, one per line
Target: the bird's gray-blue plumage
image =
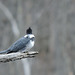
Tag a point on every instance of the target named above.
point(24, 43)
point(17, 46)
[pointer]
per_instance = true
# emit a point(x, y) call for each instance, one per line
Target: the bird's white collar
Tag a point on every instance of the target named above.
point(29, 35)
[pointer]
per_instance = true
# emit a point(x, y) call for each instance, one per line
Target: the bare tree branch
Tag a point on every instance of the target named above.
point(16, 56)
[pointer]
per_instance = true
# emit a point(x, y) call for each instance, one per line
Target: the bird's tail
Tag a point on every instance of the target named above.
point(4, 52)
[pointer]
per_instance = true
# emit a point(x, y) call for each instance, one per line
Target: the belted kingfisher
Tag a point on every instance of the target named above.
point(23, 44)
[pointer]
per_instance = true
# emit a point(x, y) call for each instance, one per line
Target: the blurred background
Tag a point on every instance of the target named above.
point(53, 24)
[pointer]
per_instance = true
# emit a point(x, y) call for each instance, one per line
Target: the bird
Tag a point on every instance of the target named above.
point(23, 44)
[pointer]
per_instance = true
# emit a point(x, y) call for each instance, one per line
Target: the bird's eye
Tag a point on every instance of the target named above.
point(27, 37)
point(33, 37)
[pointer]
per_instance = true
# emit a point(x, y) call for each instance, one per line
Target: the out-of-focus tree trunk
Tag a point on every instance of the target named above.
point(53, 23)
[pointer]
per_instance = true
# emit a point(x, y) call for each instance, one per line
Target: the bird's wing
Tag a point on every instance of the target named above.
point(19, 44)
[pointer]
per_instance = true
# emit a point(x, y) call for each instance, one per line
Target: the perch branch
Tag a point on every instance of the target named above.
point(16, 56)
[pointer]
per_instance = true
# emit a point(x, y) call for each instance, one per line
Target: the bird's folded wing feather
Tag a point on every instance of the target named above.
point(19, 44)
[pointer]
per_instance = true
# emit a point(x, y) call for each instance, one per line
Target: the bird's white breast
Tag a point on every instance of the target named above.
point(30, 45)
point(31, 42)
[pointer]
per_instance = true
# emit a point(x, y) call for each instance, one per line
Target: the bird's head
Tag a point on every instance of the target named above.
point(29, 33)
